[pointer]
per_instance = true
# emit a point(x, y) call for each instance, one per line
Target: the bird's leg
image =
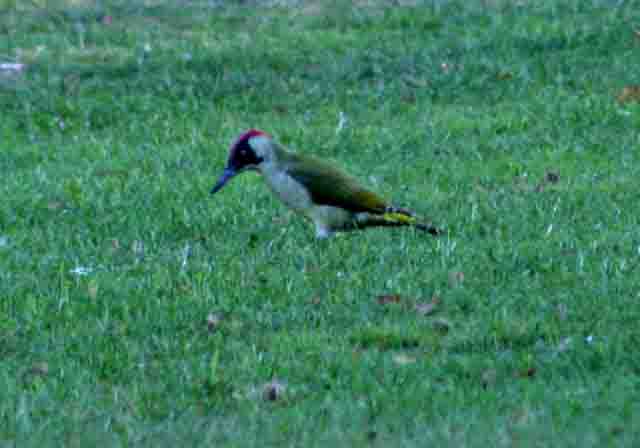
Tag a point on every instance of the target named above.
point(322, 232)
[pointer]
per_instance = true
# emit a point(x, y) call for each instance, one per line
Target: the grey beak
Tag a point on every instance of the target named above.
point(226, 177)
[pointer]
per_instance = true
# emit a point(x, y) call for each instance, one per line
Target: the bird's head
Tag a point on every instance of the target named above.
point(247, 153)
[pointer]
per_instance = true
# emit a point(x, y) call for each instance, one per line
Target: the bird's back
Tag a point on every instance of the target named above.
point(330, 186)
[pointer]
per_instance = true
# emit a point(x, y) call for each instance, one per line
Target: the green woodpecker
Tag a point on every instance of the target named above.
point(330, 198)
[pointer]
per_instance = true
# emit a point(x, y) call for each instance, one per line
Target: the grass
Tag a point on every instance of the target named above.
point(137, 310)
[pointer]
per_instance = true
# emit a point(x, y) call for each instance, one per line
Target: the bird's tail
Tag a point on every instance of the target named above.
point(400, 217)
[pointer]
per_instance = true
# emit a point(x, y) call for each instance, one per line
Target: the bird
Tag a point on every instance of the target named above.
point(333, 200)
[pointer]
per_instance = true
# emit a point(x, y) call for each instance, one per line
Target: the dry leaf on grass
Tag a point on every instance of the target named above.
point(629, 94)
point(389, 298)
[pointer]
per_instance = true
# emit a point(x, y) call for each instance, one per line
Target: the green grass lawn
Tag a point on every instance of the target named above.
point(136, 309)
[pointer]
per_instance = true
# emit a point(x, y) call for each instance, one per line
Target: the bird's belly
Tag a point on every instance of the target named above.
point(326, 218)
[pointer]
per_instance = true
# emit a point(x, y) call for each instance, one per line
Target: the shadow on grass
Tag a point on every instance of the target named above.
point(111, 52)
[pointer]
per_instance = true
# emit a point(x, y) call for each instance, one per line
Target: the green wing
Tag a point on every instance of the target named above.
point(330, 186)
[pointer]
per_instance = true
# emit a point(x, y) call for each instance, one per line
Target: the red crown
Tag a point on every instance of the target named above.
point(247, 135)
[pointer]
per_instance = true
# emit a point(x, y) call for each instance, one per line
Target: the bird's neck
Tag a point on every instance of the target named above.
point(274, 157)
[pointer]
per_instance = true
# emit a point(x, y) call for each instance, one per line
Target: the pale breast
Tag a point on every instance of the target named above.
point(288, 190)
